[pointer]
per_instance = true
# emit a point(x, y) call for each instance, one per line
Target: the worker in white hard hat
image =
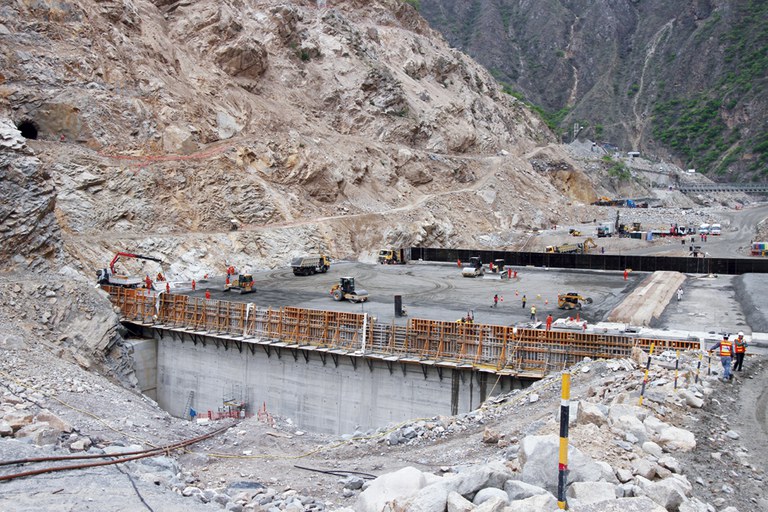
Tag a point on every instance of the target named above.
point(739, 349)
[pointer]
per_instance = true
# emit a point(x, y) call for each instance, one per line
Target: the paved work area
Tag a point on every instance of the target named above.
point(437, 291)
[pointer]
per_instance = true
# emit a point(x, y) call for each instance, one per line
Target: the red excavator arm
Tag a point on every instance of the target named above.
point(129, 255)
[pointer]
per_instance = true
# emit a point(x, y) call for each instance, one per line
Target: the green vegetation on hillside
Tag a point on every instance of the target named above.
point(552, 119)
point(696, 127)
point(415, 3)
point(617, 169)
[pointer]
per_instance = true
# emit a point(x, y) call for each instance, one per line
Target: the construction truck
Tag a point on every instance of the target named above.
point(605, 230)
point(572, 300)
point(473, 268)
point(243, 283)
point(108, 275)
point(389, 257)
point(564, 249)
point(346, 290)
point(574, 232)
point(310, 265)
point(577, 248)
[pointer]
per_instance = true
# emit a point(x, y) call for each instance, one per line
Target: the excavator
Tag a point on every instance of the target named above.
point(108, 275)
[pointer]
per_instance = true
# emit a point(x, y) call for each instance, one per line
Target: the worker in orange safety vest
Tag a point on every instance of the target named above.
point(726, 356)
point(739, 349)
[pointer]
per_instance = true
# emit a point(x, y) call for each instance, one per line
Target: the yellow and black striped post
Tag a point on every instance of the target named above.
point(562, 466)
point(677, 366)
point(698, 368)
point(645, 379)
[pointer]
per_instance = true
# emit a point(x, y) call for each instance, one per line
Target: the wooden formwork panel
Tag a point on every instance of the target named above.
point(503, 348)
point(661, 345)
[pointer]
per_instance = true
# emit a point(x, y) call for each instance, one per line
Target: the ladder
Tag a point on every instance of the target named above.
point(189, 405)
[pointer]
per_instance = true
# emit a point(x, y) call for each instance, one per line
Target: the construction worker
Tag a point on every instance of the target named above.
point(194, 285)
point(227, 281)
point(739, 350)
point(679, 294)
point(207, 294)
point(148, 282)
point(533, 313)
point(523, 301)
point(167, 288)
point(549, 322)
point(495, 300)
point(160, 276)
point(626, 273)
point(726, 355)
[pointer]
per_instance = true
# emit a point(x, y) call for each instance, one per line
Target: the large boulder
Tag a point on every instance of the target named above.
point(629, 424)
point(676, 439)
point(243, 59)
point(18, 419)
point(670, 492)
point(54, 421)
point(518, 490)
point(591, 492)
point(638, 504)
point(539, 503)
point(458, 503)
point(488, 493)
point(389, 487)
point(592, 413)
point(539, 456)
point(433, 497)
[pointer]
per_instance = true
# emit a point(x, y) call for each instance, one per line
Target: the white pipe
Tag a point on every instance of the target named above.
point(365, 330)
point(247, 314)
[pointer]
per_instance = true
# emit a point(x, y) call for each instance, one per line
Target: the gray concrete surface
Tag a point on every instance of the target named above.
point(435, 291)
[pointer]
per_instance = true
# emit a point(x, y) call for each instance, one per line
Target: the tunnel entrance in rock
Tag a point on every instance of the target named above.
point(28, 129)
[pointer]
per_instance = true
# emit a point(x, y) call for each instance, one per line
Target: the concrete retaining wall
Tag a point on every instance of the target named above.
point(326, 398)
point(144, 352)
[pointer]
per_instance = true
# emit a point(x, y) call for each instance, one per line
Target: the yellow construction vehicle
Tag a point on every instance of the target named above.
point(571, 300)
point(574, 232)
point(588, 244)
point(473, 268)
point(577, 248)
point(243, 284)
point(389, 257)
point(564, 248)
point(345, 290)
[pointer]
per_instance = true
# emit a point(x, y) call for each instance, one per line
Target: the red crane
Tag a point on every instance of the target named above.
point(129, 255)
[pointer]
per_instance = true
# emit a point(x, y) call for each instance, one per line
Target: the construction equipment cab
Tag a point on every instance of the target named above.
point(108, 275)
point(571, 300)
point(346, 290)
point(389, 257)
point(243, 284)
point(309, 265)
point(473, 268)
point(606, 230)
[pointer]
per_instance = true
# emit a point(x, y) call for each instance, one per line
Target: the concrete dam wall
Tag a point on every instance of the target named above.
point(321, 392)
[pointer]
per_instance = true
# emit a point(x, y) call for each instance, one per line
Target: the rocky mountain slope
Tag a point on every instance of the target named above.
point(681, 80)
point(229, 132)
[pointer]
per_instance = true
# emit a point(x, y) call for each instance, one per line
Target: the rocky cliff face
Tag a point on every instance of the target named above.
point(684, 80)
point(166, 125)
point(28, 229)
